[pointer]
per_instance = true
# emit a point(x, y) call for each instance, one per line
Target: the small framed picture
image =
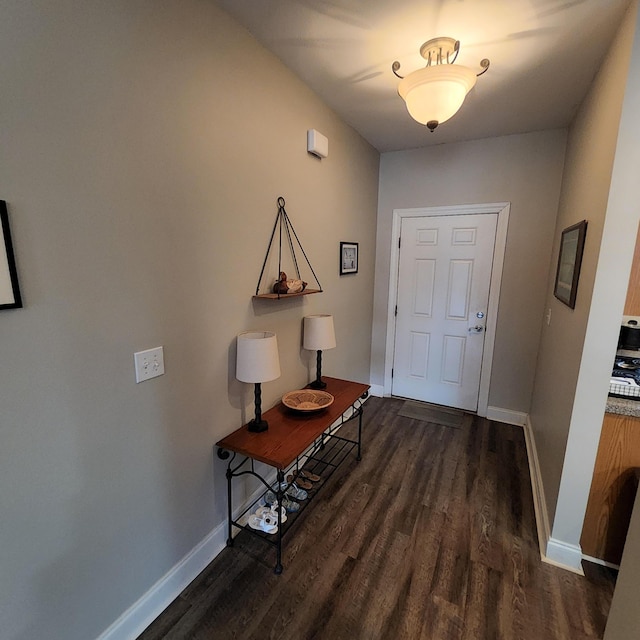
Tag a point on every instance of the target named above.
point(9, 290)
point(569, 261)
point(348, 257)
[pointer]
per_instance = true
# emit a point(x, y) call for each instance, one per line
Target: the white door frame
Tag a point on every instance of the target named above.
point(500, 208)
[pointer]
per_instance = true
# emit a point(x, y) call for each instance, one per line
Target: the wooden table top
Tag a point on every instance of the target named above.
point(291, 432)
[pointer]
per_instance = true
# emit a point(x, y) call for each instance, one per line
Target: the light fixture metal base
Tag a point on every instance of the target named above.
point(440, 50)
point(484, 64)
point(318, 384)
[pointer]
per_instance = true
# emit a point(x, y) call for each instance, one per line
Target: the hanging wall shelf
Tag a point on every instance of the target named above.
point(288, 233)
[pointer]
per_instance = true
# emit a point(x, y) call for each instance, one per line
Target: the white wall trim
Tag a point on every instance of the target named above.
point(602, 563)
point(502, 209)
point(539, 500)
point(143, 612)
point(377, 390)
point(564, 555)
point(509, 416)
point(552, 551)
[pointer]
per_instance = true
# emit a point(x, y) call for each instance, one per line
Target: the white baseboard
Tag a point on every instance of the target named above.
point(507, 415)
point(143, 612)
point(377, 390)
point(564, 555)
point(539, 501)
point(552, 551)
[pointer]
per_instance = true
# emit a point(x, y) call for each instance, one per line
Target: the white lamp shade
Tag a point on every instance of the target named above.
point(257, 357)
point(319, 333)
point(436, 92)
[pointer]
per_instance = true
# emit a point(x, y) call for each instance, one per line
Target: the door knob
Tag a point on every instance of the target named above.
point(476, 329)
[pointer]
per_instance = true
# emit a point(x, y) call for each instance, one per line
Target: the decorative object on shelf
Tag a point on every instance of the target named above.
point(319, 334)
point(307, 400)
point(9, 290)
point(435, 93)
point(257, 361)
point(569, 262)
point(277, 291)
point(348, 257)
point(284, 285)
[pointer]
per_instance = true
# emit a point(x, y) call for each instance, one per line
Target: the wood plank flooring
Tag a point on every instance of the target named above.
point(431, 536)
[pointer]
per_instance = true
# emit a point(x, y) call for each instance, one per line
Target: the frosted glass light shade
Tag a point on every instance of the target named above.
point(257, 357)
point(319, 333)
point(435, 93)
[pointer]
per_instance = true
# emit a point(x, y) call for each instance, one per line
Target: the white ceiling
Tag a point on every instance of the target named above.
point(544, 54)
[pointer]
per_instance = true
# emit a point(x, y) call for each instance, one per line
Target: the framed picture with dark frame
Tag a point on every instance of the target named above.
point(569, 261)
point(9, 289)
point(348, 257)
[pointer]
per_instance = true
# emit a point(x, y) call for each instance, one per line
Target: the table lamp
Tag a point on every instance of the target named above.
point(319, 335)
point(257, 361)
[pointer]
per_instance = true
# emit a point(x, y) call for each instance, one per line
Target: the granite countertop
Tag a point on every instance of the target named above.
point(623, 407)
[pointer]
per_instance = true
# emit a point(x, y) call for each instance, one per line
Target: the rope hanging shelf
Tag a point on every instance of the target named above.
point(287, 233)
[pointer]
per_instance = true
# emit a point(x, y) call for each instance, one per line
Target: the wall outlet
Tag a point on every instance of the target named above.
point(149, 364)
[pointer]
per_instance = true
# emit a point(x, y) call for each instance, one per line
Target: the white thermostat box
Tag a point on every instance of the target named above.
point(317, 144)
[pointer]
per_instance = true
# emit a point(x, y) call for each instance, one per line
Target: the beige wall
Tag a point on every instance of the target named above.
point(585, 192)
point(525, 170)
point(143, 148)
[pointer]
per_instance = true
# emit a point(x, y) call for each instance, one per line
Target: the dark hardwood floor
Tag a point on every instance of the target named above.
point(431, 536)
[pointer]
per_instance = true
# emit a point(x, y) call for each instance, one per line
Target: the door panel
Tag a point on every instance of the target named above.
point(423, 290)
point(444, 274)
point(419, 352)
point(460, 272)
point(452, 360)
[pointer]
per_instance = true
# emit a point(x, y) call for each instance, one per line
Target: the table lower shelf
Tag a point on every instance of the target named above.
point(323, 464)
point(323, 458)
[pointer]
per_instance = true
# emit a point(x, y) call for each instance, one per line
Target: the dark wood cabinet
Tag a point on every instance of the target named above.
point(613, 489)
point(632, 303)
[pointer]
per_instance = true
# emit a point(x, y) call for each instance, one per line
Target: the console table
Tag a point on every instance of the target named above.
point(291, 434)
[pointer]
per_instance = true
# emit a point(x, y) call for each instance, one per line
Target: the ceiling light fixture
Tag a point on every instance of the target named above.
point(434, 94)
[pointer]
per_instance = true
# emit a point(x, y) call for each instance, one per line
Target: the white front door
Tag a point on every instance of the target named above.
point(444, 273)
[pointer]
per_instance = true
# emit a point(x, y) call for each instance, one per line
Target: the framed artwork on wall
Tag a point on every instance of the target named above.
point(348, 257)
point(9, 290)
point(569, 261)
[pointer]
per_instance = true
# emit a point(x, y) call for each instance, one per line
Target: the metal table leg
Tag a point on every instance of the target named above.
point(359, 456)
point(280, 493)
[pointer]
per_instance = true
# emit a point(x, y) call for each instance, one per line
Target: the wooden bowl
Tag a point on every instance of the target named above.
point(307, 400)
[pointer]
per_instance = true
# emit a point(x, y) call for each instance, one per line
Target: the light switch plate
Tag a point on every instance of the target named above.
point(149, 364)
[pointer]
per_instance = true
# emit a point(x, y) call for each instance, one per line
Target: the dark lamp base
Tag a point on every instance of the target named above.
point(318, 384)
point(258, 426)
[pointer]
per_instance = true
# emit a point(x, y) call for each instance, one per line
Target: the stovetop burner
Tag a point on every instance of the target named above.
point(625, 377)
point(627, 363)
